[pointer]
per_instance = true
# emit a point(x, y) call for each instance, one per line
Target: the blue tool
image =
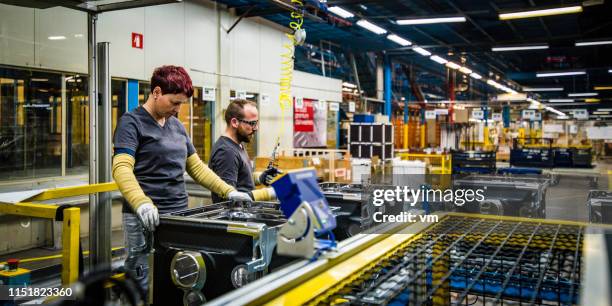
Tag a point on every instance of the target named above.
point(309, 216)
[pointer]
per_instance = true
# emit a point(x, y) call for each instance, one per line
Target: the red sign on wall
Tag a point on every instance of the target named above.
point(137, 40)
point(303, 115)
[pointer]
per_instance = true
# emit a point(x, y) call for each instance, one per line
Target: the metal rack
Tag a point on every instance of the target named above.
point(462, 259)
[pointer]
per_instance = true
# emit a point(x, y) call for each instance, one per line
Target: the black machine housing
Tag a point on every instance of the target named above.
point(600, 206)
point(230, 239)
point(354, 207)
point(519, 196)
point(474, 161)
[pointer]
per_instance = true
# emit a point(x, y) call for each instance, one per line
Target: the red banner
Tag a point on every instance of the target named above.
point(303, 115)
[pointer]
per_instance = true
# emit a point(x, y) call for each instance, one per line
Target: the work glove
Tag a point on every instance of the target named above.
point(268, 175)
point(149, 216)
point(238, 196)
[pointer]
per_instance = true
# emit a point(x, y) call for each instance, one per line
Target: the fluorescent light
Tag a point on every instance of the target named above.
point(371, 27)
point(582, 94)
point(540, 13)
point(550, 109)
point(476, 75)
point(465, 70)
point(78, 35)
point(56, 37)
point(604, 109)
point(493, 83)
point(593, 43)
point(438, 59)
point(563, 73)
point(349, 85)
point(421, 51)
point(430, 20)
point(543, 89)
point(603, 88)
point(592, 100)
point(341, 12)
point(560, 100)
point(601, 113)
point(452, 65)
point(39, 80)
point(399, 40)
point(518, 48)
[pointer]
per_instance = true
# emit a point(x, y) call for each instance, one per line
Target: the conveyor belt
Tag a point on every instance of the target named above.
point(461, 260)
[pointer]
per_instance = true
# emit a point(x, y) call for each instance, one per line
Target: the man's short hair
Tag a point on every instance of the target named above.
point(172, 80)
point(236, 109)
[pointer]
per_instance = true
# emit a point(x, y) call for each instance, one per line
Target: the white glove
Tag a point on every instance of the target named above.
point(149, 216)
point(239, 196)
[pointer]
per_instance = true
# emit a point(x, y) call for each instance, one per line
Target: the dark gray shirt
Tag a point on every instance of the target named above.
point(161, 155)
point(231, 162)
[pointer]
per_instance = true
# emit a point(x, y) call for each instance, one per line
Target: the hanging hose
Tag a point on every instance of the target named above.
point(287, 59)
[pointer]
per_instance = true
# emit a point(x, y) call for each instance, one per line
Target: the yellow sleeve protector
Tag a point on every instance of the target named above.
point(206, 177)
point(264, 194)
point(123, 173)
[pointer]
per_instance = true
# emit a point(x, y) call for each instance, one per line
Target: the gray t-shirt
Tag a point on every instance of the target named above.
point(231, 162)
point(161, 155)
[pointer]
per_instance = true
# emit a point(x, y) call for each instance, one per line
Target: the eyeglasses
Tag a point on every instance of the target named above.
point(253, 123)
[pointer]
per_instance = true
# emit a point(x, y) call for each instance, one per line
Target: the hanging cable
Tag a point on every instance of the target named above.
point(287, 58)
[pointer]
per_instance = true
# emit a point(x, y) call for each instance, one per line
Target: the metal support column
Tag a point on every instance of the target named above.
point(100, 211)
point(93, 127)
point(387, 69)
point(406, 113)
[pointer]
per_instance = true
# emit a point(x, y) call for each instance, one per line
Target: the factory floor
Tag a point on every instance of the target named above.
point(567, 200)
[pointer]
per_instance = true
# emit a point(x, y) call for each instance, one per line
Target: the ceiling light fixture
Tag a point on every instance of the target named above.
point(561, 73)
point(56, 37)
point(476, 75)
point(582, 94)
point(430, 20)
point(531, 89)
point(371, 27)
point(452, 65)
point(465, 70)
point(561, 100)
point(593, 43)
point(401, 41)
point(519, 48)
point(421, 51)
point(341, 12)
point(602, 87)
point(438, 59)
point(541, 13)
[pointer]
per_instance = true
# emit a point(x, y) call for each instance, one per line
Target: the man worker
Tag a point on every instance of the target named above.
point(151, 153)
point(229, 158)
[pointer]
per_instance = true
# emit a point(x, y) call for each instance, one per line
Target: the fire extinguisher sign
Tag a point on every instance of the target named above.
point(137, 40)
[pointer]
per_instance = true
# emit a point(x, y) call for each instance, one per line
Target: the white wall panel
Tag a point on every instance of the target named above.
point(69, 54)
point(16, 35)
point(314, 86)
point(165, 28)
point(201, 40)
point(117, 28)
point(245, 50)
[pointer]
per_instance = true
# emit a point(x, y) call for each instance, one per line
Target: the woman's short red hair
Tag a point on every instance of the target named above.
point(172, 80)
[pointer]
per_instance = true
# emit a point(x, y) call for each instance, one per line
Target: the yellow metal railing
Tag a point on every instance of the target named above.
point(436, 163)
point(71, 220)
